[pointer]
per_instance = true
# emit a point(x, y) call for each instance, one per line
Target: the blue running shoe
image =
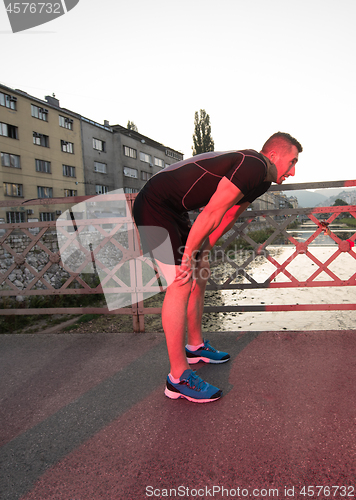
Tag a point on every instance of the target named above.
point(207, 353)
point(193, 388)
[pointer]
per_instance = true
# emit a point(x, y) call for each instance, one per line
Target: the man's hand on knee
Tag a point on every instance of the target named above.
point(185, 271)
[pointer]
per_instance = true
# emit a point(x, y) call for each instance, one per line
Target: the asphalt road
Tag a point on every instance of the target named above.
point(84, 417)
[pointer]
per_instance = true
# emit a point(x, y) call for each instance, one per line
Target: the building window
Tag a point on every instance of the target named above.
point(7, 130)
point(68, 171)
point(43, 166)
point(65, 122)
point(130, 172)
point(130, 152)
point(145, 176)
point(146, 158)
point(8, 101)
point(9, 160)
point(39, 113)
point(100, 167)
point(44, 192)
point(67, 147)
point(40, 140)
point(101, 189)
point(98, 144)
point(130, 190)
point(15, 217)
point(11, 189)
point(70, 192)
point(159, 163)
point(47, 216)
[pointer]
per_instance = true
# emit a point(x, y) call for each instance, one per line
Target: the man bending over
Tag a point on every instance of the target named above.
point(224, 183)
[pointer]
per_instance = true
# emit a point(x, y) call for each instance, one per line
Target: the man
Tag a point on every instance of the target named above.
point(224, 183)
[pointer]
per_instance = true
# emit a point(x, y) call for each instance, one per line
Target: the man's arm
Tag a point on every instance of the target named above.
point(226, 196)
point(225, 225)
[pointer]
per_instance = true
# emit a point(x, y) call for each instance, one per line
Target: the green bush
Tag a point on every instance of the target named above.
point(13, 322)
point(351, 222)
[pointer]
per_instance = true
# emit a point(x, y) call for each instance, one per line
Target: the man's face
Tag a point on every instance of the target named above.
point(285, 164)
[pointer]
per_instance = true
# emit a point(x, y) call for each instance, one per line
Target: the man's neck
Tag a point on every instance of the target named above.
point(271, 175)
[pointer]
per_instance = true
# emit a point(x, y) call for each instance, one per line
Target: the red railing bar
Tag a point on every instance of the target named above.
point(283, 308)
point(157, 310)
point(66, 310)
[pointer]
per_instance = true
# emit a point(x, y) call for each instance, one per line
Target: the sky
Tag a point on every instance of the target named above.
point(255, 66)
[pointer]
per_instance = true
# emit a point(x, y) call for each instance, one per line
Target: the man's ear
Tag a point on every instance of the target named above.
point(272, 155)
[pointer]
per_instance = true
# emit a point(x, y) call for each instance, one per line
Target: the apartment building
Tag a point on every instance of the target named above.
point(272, 200)
point(140, 157)
point(41, 155)
point(51, 152)
point(100, 160)
point(268, 201)
point(116, 157)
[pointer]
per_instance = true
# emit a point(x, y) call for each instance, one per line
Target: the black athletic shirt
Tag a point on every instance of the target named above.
point(189, 184)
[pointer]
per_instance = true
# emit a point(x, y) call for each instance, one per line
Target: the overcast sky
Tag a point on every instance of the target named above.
point(255, 66)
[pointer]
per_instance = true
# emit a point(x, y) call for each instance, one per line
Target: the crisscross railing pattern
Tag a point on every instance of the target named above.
point(20, 259)
point(300, 248)
point(122, 239)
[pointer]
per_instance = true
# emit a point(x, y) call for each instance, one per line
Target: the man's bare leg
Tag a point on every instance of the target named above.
point(174, 319)
point(196, 301)
point(196, 351)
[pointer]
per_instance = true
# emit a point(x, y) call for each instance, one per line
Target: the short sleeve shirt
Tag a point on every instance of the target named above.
point(189, 184)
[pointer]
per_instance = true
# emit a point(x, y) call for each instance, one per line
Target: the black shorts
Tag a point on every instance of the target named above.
point(156, 222)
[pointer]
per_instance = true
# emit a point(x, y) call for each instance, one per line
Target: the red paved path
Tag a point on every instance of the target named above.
point(83, 417)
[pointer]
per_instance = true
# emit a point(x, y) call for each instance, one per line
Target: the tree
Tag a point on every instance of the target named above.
point(203, 142)
point(340, 203)
point(131, 126)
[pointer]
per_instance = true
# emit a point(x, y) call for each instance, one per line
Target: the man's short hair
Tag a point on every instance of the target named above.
point(281, 140)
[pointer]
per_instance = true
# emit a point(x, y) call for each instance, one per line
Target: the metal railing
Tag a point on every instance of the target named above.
point(19, 258)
